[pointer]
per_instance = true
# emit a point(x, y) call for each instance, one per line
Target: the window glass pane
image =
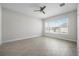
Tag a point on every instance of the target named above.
point(57, 25)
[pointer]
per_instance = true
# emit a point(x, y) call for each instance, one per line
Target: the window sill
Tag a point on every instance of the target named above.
point(56, 33)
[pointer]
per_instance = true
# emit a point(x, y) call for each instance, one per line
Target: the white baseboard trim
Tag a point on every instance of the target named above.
point(61, 38)
point(22, 38)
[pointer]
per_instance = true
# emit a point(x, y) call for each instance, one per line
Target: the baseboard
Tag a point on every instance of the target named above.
point(61, 38)
point(32, 36)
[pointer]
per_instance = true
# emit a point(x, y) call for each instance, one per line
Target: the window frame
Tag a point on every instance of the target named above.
point(57, 32)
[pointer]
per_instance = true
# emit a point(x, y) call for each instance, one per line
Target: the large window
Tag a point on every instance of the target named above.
point(59, 25)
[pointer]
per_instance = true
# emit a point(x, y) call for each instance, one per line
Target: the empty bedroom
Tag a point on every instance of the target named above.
point(38, 29)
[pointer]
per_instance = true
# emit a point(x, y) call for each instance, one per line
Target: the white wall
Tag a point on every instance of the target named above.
point(0, 25)
point(72, 25)
point(18, 26)
point(78, 28)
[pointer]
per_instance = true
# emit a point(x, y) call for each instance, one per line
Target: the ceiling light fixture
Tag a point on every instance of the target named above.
point(62, 4)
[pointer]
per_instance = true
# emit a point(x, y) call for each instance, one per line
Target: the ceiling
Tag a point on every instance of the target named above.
point(52, 9)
